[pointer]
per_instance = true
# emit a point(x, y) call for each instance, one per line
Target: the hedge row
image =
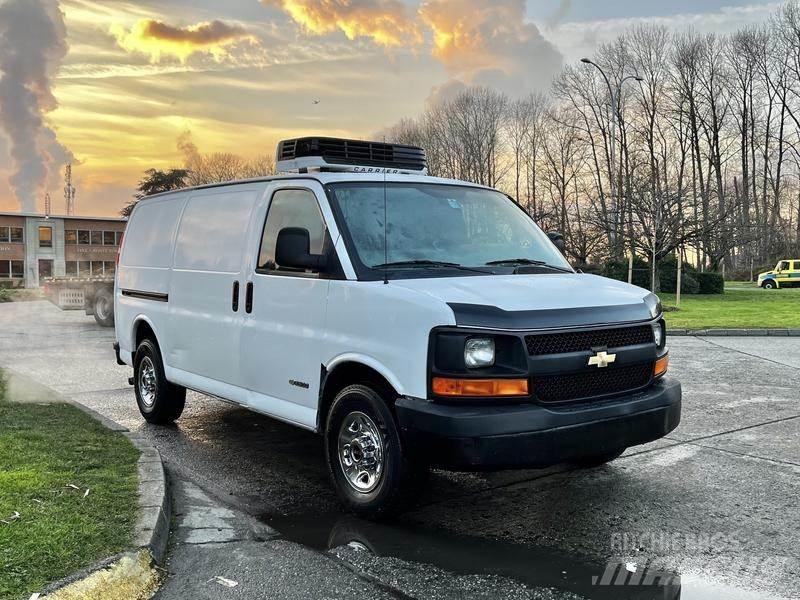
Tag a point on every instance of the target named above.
point(692, 281)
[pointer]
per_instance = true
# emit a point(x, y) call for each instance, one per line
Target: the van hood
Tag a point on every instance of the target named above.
point(538, 301)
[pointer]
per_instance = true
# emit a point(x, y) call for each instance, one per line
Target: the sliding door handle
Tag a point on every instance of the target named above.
point(235, 297)
point(248, 298)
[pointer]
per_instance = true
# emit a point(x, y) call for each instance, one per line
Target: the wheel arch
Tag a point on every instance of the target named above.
point(347, 370)
point(143, 328)
point(771, 280)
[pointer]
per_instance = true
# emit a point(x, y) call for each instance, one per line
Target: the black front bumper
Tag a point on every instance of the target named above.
point(484, 437)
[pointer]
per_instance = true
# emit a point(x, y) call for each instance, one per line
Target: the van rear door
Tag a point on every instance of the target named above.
point(284, 322)
point(205, 311)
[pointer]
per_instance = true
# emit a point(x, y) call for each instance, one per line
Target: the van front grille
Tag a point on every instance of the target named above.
point(591, 384)
point(585, 341)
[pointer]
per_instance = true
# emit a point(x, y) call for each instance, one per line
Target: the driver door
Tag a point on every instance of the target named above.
point(784, 274)
point(284, 323)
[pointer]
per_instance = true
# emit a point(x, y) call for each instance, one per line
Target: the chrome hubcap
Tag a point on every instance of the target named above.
point(361, 452)
point(147, 382)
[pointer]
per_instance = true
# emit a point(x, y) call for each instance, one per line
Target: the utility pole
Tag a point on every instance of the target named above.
point(678, 290)
point(615, 115)
point(630, 267)
point(69, 192)
point(47, 205)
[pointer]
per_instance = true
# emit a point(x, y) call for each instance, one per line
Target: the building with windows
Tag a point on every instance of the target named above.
point(34, 246)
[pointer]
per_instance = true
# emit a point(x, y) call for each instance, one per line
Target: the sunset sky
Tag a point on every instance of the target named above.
point(240, 75)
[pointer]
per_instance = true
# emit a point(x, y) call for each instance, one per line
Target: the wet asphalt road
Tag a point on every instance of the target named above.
point(714, 506)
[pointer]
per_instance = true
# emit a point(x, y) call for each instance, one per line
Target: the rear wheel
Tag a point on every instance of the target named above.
point(601, 458)
point(104, 308)
point(159, 401)
point(364, 455)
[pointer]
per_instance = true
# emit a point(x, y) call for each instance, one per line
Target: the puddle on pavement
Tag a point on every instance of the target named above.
point(532, 566)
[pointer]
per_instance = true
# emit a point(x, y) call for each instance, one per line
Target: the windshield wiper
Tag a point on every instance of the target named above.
point(511, 262)
point(421, 263)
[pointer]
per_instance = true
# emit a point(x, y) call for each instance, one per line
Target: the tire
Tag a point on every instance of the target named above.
point(103, 308)
point(770, 285)
point(159, 401)
point(362, 439)
point(595, 460)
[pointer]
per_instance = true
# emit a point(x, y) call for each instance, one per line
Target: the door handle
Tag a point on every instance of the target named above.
point(235, 298)
point(248, 298)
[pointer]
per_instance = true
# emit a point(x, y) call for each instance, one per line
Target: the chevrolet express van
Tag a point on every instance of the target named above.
point(414, 322)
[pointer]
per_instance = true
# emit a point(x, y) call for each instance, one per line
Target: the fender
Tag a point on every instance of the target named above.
point(369, 362)
point(139, 319)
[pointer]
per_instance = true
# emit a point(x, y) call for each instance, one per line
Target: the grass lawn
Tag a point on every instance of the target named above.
point(43, 449)
point(742, 306)
point(20, 295)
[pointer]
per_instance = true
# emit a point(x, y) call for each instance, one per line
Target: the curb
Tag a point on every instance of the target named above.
point(155, 506)
point(134, 569)
point(734, 332)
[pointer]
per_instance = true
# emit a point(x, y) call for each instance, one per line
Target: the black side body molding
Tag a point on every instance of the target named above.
point(155, 296)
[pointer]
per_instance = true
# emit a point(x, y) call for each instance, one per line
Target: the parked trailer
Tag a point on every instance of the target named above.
point(93, 294)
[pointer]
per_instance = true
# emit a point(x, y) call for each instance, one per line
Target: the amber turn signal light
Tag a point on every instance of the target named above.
point(661, 366)
point(443, 386)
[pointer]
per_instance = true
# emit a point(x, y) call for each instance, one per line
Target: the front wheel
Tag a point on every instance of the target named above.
point(363, 451)
point(159, 401)
point(770, 285)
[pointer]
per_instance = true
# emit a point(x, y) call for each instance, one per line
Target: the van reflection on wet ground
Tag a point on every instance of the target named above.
point(532, 566)
point(291, 481)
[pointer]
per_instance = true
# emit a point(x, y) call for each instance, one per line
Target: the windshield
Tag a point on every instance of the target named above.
point(436, 223)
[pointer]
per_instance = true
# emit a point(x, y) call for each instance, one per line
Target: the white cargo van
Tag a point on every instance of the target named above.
point(413, 321)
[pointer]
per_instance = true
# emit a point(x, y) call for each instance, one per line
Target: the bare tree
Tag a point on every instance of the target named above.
point(708, 146)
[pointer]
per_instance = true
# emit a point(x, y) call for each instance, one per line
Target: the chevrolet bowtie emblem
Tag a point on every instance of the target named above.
point(602, 359)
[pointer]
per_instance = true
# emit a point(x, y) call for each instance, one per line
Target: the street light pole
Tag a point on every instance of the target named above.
point(613, 98)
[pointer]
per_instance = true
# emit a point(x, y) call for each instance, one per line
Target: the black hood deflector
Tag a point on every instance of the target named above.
point(492, 317)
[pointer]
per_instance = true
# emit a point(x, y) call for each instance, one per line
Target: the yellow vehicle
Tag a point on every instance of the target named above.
point(785, 274)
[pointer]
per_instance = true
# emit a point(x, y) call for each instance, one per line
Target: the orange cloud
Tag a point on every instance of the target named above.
point(384, 21)
point(490, 43)
point(156, 39)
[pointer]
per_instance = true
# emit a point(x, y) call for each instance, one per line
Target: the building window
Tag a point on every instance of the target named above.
point(71, 268)
point(97, 238)
point(109, 267)
point(15, 269)
point(70, 237)
point(118, 241)
point(97, 268)
point(108, 238)
point(83, 237)
point(11, 234)
point(45, 237)
point(85, 268)
point(45, 268)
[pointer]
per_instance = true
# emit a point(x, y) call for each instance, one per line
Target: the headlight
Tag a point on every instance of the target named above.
point(659, 333)
point(653, 304)
point(479, 352)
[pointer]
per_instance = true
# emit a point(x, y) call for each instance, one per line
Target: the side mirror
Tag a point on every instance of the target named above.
point(558, 241)
point(292, 250)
